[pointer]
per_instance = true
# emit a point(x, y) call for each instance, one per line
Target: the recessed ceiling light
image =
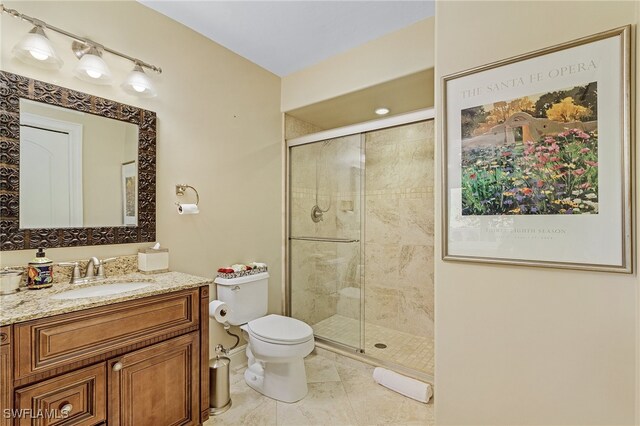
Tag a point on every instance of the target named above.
point(382, 111)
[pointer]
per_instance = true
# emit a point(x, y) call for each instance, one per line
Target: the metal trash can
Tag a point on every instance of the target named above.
point(219, 395)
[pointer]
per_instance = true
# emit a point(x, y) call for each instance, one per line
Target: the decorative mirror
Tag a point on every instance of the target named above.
point(75, 169)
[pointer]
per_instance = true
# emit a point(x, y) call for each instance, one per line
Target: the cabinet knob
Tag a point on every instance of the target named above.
point(117, 366)
point(66, 409)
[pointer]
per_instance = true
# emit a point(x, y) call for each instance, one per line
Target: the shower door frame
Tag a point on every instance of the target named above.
point(354, 129)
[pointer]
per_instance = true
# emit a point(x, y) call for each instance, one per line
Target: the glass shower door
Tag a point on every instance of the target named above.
point(325, 228)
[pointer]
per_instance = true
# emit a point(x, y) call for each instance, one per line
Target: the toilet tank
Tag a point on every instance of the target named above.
point(247, 297)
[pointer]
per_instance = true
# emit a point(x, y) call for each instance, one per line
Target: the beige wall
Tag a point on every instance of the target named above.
point(521, 345)
point(394, 55)
point(219, 129)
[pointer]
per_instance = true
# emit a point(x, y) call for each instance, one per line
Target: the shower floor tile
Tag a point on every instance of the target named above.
point(405, 349)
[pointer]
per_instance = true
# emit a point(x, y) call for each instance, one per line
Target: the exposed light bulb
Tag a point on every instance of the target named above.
point(382, 111)
point(94, 73)
point(39, 55)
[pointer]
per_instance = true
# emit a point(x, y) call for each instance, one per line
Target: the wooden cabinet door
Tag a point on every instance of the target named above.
point(76, 398)
point(156, 385)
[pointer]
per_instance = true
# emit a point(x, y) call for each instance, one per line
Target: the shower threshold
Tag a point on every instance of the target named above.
point(405, 353)
point(361, 356)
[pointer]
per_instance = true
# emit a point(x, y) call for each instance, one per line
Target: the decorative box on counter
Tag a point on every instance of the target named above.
point(153, 260)
point(241, 270)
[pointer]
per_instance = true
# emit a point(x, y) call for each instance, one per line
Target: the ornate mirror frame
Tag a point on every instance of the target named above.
point(12, 237)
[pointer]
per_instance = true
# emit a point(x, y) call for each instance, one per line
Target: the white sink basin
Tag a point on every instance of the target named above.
point(100, 290)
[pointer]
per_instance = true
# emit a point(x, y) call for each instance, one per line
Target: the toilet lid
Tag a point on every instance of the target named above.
point(279, 329)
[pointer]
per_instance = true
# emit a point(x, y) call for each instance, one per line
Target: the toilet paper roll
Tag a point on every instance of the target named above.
point(219, 311)
point(188, 209)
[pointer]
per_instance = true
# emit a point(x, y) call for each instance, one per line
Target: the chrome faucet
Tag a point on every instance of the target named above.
point(91, 267)
point(90, 273)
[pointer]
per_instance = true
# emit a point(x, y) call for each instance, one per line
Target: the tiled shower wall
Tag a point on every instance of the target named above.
point(294, 128)
point(399, 228)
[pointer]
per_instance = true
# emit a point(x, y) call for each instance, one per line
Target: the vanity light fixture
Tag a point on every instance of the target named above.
point(138, 83)
point(382, 111)
point(35, 48)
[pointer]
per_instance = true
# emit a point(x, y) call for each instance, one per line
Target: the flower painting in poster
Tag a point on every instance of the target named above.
point(536, 154)
point(537, 158)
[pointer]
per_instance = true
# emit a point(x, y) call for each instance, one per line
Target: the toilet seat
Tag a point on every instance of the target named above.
point(280, 330)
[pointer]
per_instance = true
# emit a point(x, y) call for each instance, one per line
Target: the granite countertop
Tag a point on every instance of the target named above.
point(32, 304)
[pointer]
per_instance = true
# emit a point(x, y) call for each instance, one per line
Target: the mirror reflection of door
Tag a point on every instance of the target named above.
point(80, 175)
point(50, 162)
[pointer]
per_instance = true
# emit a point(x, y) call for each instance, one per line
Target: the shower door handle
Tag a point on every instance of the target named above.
point(326, 240)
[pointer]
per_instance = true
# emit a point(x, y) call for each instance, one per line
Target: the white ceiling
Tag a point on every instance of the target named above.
point(287, 36)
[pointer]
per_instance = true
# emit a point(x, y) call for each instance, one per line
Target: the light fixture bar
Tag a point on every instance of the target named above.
point(38, 22)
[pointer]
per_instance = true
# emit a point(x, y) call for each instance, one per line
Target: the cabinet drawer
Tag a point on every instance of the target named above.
point(79, 338)
point(77, 398)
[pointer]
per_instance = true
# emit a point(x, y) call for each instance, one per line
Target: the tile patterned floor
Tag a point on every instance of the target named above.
point(341, 392)
point(411, 351)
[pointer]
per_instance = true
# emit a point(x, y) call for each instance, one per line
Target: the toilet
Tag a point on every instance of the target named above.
point(277, 344)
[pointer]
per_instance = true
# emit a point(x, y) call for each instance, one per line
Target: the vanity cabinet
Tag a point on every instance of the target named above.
point(138, 362)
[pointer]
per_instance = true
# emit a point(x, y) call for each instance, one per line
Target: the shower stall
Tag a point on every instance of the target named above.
point(360, 214)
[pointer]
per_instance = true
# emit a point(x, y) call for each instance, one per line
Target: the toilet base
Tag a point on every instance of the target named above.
point(286, 382)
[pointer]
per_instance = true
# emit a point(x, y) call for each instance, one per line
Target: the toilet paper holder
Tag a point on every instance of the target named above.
point(181, 189)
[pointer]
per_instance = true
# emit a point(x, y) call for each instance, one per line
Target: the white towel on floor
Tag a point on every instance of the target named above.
point(402, 384)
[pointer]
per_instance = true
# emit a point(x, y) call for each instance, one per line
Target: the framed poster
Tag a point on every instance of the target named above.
point(129, 194)
point(536, 153)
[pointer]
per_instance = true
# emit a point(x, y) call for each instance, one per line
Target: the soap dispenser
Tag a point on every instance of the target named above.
point(40, 272)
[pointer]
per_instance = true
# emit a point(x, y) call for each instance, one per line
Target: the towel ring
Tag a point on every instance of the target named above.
point(181, 188)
